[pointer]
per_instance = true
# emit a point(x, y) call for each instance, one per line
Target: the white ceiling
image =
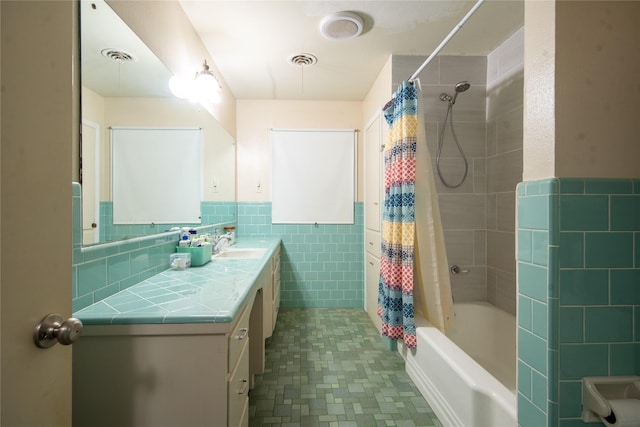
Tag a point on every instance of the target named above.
point(251, 43)
point(102, 30)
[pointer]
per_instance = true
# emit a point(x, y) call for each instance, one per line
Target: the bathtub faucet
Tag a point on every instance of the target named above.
point(455, 269)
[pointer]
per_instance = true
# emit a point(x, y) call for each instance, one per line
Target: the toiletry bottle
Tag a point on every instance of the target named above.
point(184, 233)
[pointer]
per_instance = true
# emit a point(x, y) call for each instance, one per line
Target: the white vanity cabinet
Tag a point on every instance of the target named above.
point(272, 296)
point(175, 375)
point(163, 375)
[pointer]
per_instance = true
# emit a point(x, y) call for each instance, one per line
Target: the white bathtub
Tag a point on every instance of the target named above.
point(468, 376)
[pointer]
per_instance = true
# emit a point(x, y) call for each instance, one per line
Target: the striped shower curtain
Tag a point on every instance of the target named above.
point(413, 260)
point(395, 289)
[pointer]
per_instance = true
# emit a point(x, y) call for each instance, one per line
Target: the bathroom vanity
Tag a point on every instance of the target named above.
point(180, 348)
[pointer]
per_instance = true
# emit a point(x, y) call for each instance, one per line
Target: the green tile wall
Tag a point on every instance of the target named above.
point(536, 360)
point(320, 266)
point(578, 291)
point(211, 213)
point(102, 270)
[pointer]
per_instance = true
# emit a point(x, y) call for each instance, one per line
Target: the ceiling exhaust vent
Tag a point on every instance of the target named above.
point(303, 59)
point(116, 55)
point(341, 26)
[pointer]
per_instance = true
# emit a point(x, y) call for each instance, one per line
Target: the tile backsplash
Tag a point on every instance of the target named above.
point(211, 213)
point(102, 270)
point(322, 266)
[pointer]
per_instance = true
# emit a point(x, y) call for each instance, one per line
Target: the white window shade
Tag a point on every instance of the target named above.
point(156, 175)
point(313, 176)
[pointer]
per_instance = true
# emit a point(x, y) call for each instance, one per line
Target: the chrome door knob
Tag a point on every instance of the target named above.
point(53, 328)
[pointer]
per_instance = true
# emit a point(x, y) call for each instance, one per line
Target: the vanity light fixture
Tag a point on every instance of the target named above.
point(204, 86)
point(207, 83)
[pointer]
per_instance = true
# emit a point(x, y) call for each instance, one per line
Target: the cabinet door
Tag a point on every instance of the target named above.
point(276, 305)
point(239, 391)
point(373, 143)
point(275, 279)
point(372, 275)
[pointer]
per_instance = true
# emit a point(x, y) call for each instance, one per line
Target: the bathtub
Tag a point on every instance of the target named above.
point(469, 375)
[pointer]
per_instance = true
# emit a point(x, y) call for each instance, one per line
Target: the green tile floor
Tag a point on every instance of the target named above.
point(328, 367)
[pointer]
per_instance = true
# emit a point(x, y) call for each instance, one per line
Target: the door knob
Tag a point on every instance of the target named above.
point(53, 328)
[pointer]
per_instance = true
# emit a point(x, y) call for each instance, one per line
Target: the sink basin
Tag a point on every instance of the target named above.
point(240, 253)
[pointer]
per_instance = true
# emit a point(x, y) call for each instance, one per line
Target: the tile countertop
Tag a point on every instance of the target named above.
point(212, 293)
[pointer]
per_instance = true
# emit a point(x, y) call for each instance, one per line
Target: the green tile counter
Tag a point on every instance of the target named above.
point(212, 293)
point(180, 348)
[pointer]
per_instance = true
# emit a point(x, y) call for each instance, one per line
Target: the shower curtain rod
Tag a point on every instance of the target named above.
point(446, 39)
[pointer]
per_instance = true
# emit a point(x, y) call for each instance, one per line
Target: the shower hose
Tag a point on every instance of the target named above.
point(449, 116)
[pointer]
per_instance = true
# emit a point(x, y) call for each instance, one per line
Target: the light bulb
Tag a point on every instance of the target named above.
point(204, 86)
point(179, 87)
point(207, 86)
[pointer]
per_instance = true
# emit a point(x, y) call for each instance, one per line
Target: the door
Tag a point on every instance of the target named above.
point(90, 182)
point(38, 128)
point(373, 172)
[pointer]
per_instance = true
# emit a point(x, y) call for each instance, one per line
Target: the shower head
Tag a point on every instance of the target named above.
point(460, 87)
point(463, 86)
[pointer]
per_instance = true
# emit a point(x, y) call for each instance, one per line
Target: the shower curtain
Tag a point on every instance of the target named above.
point(413, 263)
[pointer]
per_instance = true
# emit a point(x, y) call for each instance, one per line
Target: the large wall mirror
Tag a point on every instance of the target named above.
point(125, 85)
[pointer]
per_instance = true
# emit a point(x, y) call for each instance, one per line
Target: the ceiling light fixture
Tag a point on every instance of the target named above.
point(204, 86)
point(341, 26)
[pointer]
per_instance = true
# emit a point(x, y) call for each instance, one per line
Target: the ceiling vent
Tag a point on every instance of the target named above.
point(341, 26)
point(116, 55)
point(303, 59)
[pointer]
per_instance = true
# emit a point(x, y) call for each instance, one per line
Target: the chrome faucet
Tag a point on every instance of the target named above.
point(221, 242)
point(455, 269)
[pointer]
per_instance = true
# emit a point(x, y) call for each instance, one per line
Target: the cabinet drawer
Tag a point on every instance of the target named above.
point(372, 242)
point(238, 391)
point(238, 337)
point(372, 271)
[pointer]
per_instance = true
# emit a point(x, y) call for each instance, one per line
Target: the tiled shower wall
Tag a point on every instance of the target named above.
point(579, 292)
point(505, 79)
point(477, 217)
point(463, 210)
